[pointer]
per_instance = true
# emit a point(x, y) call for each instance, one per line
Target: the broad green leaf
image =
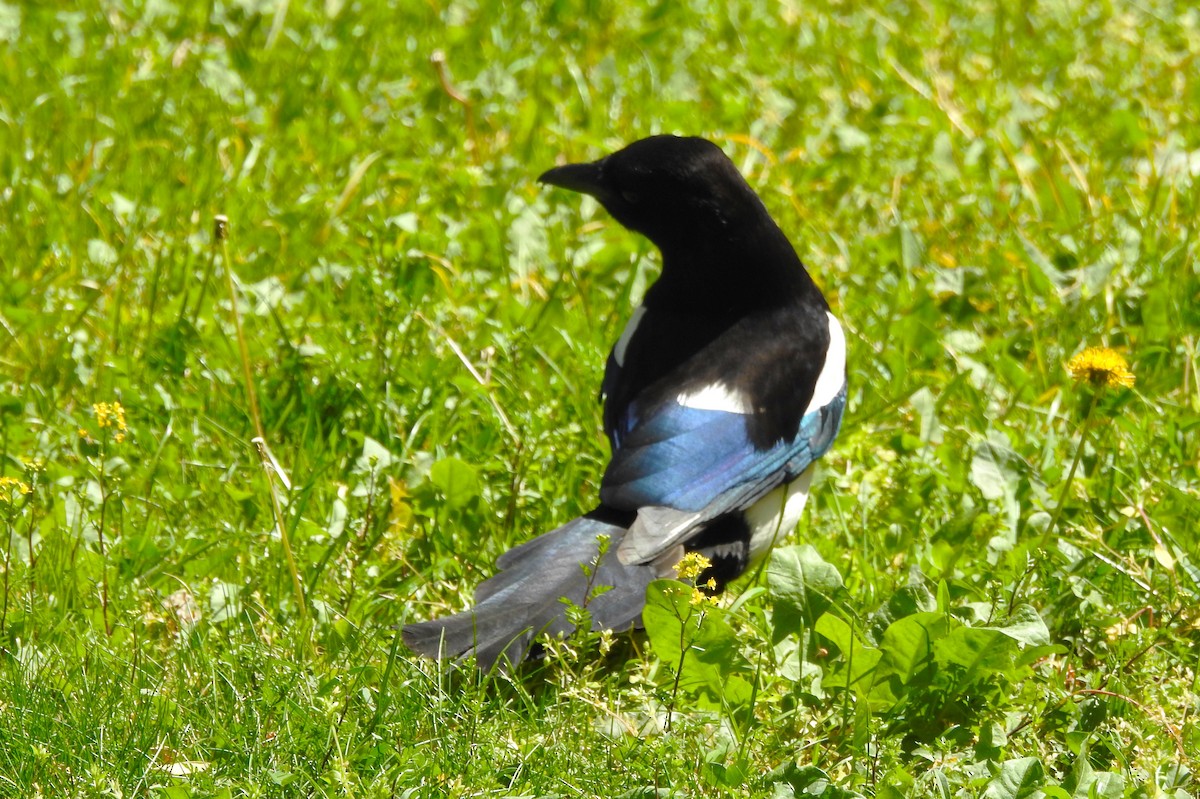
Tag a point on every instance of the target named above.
point(990, 472)
point(224, 602)
point(912, 598)
point(100, 252)
point(907, 645)
point(1024, 626)
point(993, 472)
point(991, 741)
point(975, 650)
point(375, 456)
point(456, 479)
point(1170, 776)
point(924, 403)
point(1084, 782)
point(793, 780)
point(838, 632)
point(857, 669)
point(947, 283)
point(1104, 785)
point(912, 254)
point(1017, 779)
point(802, 586)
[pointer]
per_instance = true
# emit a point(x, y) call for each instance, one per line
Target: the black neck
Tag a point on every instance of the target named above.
point(719, 273)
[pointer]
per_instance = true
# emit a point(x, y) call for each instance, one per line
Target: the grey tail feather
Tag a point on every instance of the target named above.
point(526, 598)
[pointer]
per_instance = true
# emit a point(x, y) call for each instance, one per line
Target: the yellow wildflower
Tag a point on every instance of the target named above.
point(111, 414)
point(11, 488)
point(1101, 367)
point(705, 591)
point(691, 565)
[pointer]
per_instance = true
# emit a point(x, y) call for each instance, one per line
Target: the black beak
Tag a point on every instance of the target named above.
point(583, 178)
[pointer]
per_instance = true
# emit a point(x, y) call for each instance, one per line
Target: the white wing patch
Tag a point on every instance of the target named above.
point(630, 328)
point(833, 373)
point(775, 516)
point(714, 397)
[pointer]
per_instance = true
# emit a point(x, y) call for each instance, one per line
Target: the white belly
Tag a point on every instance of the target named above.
point(777, 514)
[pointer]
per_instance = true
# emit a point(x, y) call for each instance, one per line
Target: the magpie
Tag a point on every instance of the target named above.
point(727, 384)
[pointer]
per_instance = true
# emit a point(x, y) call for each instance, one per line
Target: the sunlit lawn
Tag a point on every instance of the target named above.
point(995, 588)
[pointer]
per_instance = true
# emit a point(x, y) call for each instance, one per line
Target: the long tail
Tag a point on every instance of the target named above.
point(526, 597)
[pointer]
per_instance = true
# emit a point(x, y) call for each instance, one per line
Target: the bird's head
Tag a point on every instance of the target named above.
point(676, 191)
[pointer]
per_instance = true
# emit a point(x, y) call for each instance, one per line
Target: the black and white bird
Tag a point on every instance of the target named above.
point(725, 387)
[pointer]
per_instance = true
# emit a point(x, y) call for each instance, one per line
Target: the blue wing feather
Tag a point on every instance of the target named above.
point(688, 458)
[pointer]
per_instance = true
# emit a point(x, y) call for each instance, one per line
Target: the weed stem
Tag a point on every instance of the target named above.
point(1066, 487)
point(221, 235)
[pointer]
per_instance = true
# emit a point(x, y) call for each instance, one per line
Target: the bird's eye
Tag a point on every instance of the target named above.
point(630, 197)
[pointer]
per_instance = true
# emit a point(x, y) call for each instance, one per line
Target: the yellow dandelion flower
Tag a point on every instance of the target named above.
point(691, 566)
point(11, 488)
point(1101, 367)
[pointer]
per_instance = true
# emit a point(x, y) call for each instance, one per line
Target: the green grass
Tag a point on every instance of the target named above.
point(982, 189)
